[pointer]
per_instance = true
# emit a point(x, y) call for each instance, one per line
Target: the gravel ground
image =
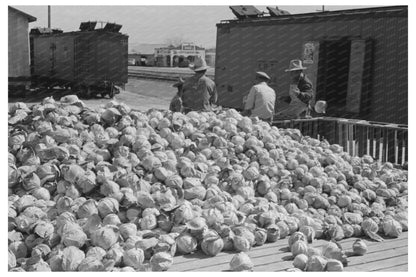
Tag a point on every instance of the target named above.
point(140, 94)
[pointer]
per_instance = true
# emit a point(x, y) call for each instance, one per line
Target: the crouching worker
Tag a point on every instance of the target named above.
point(261, 99)
point(176, 102)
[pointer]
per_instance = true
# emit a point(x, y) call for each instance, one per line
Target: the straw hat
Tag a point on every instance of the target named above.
point(295, 65)
point(263, 75)
point(69, 100)
point(199, 65)
point(320, 106)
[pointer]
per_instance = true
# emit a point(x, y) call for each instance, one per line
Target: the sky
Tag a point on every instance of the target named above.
point(152, 24)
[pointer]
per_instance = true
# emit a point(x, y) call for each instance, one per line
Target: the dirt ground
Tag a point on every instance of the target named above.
point(139, 94)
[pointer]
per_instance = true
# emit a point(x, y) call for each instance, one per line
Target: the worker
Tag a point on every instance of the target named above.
point(199, 91)
point(300, 92)
point(176, 103)
point(261, 99)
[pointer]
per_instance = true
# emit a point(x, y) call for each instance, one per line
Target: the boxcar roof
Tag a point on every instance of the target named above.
point(31, 18)
point(396, 11)
point(79, 33)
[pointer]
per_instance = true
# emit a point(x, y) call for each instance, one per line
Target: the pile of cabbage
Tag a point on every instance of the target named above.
point(113, 189)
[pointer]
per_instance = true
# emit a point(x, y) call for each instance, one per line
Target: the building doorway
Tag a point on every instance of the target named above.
point(333, 72)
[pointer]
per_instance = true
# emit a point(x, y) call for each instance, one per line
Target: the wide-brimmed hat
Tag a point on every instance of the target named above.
point(178, 83)
point(69, 99)
point(295, 65)
point(262, 75)
point(199, 65)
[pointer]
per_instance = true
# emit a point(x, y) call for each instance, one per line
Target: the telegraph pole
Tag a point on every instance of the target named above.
point(49, 17)
point(322, 10)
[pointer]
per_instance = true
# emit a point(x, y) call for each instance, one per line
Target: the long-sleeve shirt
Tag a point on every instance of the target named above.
point(301, 95)
point(261, 101)
point(305, 89)
point(199, 94)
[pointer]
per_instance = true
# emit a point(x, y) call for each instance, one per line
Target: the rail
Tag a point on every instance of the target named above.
point(161, 73)
point(383, 141)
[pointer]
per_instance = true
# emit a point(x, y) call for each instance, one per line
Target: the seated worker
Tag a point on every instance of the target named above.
point(300, 92)
point(176, 102)
point(261, 99)
point(199, 91)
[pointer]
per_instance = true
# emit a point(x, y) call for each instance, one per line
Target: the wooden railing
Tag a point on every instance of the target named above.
point(383, 141)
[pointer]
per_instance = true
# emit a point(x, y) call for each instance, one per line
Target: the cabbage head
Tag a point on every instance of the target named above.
point(241, 244)
point(212, 245)
point(161, 261)
point(73, 235)
point(133, 257)
point(273, 233)
point(392, 228)
point(241, 262)
point(309, 233)
point(359, 247)
point(300, 261)
point(299, 247)
point(186, 244)
point(332, 251)
point(72, 258)
point(316, 263)
point(91, 263)
point(105, 237)
point(260, 236)
point(107, 206)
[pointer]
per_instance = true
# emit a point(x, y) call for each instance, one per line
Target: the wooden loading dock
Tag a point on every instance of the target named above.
point(389, 255)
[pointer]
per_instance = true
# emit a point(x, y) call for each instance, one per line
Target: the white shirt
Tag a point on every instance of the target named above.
point(261, 101)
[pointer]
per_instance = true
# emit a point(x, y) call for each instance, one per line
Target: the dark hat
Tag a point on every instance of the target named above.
point(178, 83)
point(263, 75)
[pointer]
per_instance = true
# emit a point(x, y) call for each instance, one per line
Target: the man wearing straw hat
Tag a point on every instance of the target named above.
point(199, 91)
point(300, 92)
point(261, 99)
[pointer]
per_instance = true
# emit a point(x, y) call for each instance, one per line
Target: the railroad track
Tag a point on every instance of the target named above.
point(170, 75)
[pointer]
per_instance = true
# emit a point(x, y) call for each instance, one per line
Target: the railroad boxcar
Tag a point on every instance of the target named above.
point(18, 51)
point(357, 59)
point(90, 61)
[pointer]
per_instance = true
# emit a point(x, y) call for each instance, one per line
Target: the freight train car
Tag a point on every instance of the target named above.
point(90, 61)
point(18, 51)
point(357, 59)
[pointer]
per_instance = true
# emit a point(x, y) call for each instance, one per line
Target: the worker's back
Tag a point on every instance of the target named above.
point(264, 101)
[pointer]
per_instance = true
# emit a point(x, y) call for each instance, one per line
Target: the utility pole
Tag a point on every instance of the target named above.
point(49, 17)
point(322, 10)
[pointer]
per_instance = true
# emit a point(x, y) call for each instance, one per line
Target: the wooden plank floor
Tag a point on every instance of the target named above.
point(390, 255)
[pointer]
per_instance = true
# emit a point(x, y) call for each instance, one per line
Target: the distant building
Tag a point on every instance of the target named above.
point(179, 56)
point(19, 55)
point(143, 54)
point(210, 57)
